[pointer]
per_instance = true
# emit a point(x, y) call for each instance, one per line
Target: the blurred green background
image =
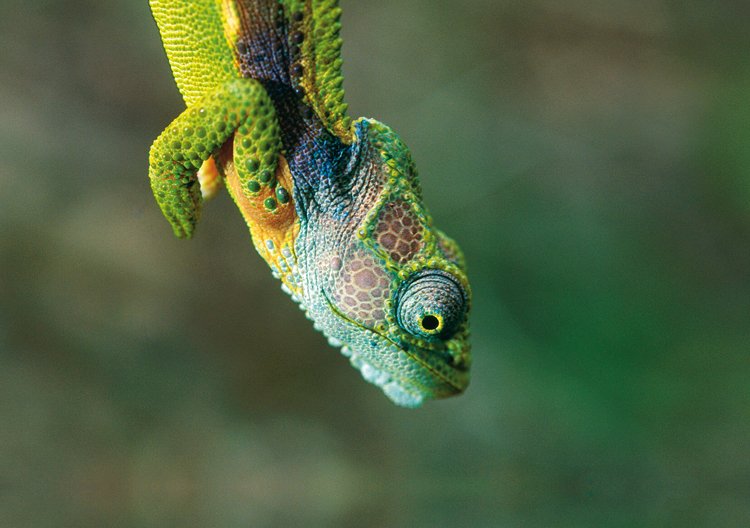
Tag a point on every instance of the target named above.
point(593, 158)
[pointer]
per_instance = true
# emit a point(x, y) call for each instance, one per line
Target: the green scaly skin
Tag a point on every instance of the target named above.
point(333, 206)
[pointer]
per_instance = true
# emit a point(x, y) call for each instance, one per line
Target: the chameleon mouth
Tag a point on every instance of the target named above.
point(403, 391)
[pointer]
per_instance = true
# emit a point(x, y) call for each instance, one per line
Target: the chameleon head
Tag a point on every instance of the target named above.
point(394, 288)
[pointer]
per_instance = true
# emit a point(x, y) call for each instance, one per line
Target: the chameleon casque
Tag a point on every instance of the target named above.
point(334, 206)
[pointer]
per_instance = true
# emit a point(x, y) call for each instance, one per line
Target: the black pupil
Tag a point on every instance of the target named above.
point(430, 322)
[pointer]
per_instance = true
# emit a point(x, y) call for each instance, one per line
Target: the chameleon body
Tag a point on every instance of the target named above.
point(333, 205)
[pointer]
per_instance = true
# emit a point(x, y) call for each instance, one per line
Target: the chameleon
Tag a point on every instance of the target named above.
point(333, 204)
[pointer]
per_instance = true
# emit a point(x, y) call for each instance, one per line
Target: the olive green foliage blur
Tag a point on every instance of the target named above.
point(593, 159)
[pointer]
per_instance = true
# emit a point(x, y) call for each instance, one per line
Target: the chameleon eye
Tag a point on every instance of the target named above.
point(432, 305)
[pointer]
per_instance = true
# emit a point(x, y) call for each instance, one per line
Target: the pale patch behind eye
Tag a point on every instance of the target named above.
point(360, 288)
point(398, 231)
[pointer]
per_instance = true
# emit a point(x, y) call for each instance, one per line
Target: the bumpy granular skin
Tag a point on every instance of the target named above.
point(333, 205)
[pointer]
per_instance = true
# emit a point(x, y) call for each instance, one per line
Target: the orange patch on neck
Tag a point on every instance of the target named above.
point(271, 231)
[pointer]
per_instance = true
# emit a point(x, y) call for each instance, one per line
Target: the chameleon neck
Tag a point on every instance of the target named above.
point(316, 157)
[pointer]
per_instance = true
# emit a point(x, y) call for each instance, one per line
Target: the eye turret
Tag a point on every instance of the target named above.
point(431, 305)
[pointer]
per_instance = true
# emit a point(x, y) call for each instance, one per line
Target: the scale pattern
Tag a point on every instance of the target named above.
point(398, 232)
point(361, 287)
point(200, 60)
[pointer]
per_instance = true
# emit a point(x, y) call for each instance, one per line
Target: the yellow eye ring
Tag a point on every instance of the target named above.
point(431, 324)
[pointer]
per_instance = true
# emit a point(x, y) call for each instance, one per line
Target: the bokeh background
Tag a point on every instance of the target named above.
point(593, 158)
